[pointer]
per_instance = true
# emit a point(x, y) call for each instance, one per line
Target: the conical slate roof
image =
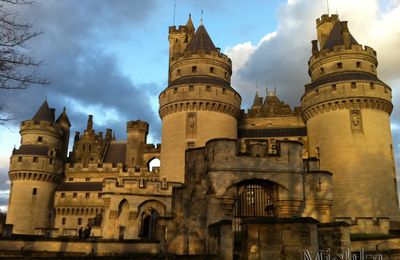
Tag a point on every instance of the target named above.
point(44, 113)
point(257, 100)
point(335, 38)
point(189, 24)
point(201, 41)
point(63, 118)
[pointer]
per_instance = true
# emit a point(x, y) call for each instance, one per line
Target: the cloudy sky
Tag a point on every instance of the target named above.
point(109, 58)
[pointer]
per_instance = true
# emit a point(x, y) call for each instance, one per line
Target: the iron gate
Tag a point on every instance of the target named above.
point(253, 201)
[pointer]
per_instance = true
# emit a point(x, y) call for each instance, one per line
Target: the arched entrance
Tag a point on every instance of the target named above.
point(148, 226)
point(255, 199)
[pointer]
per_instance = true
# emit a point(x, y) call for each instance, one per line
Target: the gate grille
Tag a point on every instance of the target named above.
point(253, 201)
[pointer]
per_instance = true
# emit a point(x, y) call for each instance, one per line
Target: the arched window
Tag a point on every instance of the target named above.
point(154, 164)
point(123, 206)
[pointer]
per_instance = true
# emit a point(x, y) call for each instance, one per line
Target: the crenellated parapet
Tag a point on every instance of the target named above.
point(347, 95)
point(139, 126)
point(192, 98)
point(51, 127)
point(138, 186)
point(225, 154)
point(356, 58)
point(120, 168)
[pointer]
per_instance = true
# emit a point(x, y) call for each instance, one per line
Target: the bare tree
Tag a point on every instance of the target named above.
point(17, 68)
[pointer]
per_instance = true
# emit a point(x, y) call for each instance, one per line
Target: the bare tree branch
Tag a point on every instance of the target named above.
point(17, 68)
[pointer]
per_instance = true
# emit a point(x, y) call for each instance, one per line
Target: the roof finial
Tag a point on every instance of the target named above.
point(201, 18)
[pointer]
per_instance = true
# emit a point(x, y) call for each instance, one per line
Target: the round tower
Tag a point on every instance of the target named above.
point(36, 168)
point(199, 103)
point(347, 111)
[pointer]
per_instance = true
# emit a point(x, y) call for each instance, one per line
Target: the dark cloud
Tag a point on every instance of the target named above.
point(4, 186)
point(82, 72)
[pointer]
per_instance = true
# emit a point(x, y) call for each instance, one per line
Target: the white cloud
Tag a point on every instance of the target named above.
point(281, 56)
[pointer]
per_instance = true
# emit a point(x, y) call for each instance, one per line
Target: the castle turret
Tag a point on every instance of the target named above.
point(199, 103)
point(137, 134)
point(347, 111)
point(180, 37)
point(36, 169)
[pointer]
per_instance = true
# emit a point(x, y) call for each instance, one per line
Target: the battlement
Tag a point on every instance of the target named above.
point(343, 50)
point(225, 153)
point(211, 98)
point(327, 18)
point(341, 95)
point(138, 125)
point(177, 29)
point(41, 125)
point(138, 186)
point(218, 55)
point(367, 224)
point(120, 168)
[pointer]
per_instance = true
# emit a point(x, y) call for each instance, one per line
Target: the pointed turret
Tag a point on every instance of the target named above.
point(257, 103)
point(63, 119)
point(340, 35)
point(44, 113)
point(201, 41)
point(189, 25)
point(89, 127)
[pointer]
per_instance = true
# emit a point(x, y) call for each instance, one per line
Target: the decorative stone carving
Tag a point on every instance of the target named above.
point(356, 122)
point(191, 124)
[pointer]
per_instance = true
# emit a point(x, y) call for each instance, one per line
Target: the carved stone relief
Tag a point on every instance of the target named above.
point(191, 125)
point(356, 121)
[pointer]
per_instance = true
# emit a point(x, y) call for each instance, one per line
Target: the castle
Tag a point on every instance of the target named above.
point(303, 179)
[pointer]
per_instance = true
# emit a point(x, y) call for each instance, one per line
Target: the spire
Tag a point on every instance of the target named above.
point(190, 25)
point(201, 41)
point(257, 100)
point(90, 123)
point(44, 113)
point(63, 119)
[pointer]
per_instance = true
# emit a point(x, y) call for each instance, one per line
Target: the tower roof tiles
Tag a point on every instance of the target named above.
point(44, 113)
point(63, 118)
point(201, 41)
point(336, 36)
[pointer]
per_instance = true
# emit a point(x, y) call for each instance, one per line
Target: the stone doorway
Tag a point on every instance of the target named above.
point(254, 200)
